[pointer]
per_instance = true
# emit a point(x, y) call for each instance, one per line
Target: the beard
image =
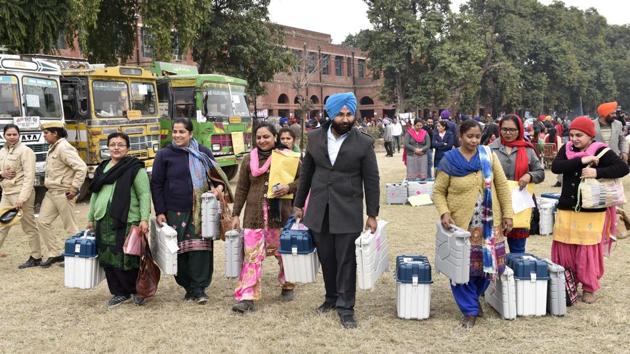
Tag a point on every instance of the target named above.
point(342, 128)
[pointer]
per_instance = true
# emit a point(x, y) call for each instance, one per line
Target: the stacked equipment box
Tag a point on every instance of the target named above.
point(547, 208)
point(501, 294)
point(298, 252)
point(556, 292)
point(532, 276)
point(396, 193)
point(413, 287)
point(81, 268)
point(452, 253)
point(163, 244)
point(233, 253)
point(371, 254)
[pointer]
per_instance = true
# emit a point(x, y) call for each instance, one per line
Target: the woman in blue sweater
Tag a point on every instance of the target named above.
point(443, 141)
point(182, 172)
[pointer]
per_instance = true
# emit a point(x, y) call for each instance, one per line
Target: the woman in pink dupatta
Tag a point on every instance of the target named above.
point(417, 144)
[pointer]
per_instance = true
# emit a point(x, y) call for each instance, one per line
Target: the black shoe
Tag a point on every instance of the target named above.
point(138, 300)
point(31, 262)
point(117, 300)
point(287, 295)
point(51, 260)
point(347, 320)
point(189, 297)
point(326, 307)
point(244, 306)
point(468, 321)
point(558, 184)
point(202, 299)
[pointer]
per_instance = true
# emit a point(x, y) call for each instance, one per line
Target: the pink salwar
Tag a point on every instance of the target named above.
point(587, 262)
point(257, 244)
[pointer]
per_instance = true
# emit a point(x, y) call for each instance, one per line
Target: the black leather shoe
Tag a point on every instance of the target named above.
point(244, 306)
point(287, 295)
point(347, 320)
point(31, 262)
point(51, 260)
point(326, 307)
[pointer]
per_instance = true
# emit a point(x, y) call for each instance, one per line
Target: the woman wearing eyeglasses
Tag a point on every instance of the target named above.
point(520, 163)
point(121, 197)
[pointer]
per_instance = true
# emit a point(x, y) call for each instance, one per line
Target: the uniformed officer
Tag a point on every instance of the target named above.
point(17, 176)
point(65, 173)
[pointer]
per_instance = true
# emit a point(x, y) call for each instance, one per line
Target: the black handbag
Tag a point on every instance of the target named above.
point(9, 215)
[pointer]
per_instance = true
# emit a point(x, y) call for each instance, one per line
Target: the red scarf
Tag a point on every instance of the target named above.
point(417, 136)
point(522, 162)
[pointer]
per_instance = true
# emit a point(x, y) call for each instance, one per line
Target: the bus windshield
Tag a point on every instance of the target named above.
point(9, 97)
point(143, 98)
point(239, 103)
point(110, 98)
point(184, 102)
point(217, 102)
point(42, 97)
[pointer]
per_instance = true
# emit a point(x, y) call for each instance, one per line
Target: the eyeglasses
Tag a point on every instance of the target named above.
point(509, 130)
point(121, 146)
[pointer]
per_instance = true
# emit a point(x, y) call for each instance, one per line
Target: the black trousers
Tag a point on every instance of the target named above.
point(336, 253)
point(389, 148)
point(194, 271)
point(121, 282)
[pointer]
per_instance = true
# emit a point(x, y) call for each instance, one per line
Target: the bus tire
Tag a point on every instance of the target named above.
point(230, 171)
point(84, 192)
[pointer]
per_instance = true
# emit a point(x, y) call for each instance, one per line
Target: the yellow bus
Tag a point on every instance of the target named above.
point(99, 100)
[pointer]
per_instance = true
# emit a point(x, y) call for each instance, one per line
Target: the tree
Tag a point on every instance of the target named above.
point(112, 36)
point(236, 39)
point(32, 26)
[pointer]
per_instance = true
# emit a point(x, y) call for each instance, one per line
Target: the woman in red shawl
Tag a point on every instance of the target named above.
point(417, 143)
point(520, 163)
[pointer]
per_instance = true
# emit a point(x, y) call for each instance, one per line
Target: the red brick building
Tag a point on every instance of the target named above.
point(334, 68)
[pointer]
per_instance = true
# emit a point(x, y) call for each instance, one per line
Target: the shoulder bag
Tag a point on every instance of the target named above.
point(600, 193)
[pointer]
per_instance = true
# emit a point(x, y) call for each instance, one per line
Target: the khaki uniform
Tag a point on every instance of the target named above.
point(20, 159)
point(65, 172)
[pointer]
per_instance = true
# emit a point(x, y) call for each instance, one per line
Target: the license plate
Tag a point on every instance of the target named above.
point(40, 167)
point(26, 122)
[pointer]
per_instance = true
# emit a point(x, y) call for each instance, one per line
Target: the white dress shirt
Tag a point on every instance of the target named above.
point(397, 129)
point(334, 144)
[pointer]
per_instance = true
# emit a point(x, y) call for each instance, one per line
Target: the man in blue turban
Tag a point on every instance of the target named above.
point(339, 170)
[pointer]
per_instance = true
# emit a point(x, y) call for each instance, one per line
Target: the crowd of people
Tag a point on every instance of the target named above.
point(337, 175)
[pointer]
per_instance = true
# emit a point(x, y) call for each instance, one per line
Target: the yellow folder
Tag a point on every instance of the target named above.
point(284, 165)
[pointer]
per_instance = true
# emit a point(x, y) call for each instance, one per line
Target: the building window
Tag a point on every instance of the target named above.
point(338, 64)
point(312, 62)
point(61, 41)
point(325, 61)
point(361, 68)
point(147, 50)
point(176, 46)
point(297, 54)
point(349, 67)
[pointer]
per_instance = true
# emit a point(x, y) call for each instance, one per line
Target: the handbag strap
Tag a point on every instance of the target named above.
point(579, 196)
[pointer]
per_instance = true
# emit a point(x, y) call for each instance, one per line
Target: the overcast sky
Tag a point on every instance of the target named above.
point(342, 17)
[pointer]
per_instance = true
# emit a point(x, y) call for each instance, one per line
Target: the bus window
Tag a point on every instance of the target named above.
point(184, 102)
point(9, 97)
point(239, 105)
point(42, 97)
point(143, 98)
point(74, 97)
point(217, 102)
point(110, 98)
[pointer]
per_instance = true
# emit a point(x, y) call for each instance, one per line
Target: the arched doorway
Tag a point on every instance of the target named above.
point(314, 100)
point(298, 99)
point(283, 99)
point(366, 100)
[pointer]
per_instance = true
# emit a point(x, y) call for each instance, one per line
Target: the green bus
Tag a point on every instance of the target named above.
point(216, 104)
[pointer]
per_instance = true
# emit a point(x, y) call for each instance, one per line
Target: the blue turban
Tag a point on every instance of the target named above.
point(445, 114)
point(284, 120)
point(336, 102)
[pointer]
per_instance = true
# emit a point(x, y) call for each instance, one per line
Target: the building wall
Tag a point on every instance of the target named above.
point(323, 85)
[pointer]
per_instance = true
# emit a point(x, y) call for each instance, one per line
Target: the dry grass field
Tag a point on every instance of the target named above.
point(37, 314)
